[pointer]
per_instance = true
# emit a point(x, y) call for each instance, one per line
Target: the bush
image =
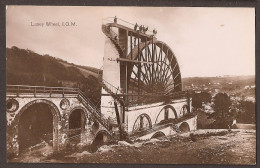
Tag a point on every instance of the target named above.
point(222, 115)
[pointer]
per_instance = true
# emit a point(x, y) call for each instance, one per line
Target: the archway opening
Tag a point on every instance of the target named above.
point(184, 127)
point(76, 125)
point(100, 139)
point(75, 119)
point(158, 135)
point(36, 126)
point(142, 122)
point(184, 110)
point(166, 115)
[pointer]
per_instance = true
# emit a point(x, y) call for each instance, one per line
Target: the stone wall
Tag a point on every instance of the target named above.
point(154, 111)
point(61, 115)
point(192, 122)
point(111, 74)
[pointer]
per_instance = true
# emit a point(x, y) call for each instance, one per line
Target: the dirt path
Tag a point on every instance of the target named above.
point(203, 147)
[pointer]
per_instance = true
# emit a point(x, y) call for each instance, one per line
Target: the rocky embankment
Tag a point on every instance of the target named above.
point(199, 147)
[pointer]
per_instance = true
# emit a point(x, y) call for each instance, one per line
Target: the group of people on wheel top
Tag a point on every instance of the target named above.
point(142, 29)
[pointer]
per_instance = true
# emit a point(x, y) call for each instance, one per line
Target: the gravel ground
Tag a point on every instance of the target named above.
point(199, 147)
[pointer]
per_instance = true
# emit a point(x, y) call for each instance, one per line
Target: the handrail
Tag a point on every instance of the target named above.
point(38, 86)
point(97, 113)
point(110, 31)
point(89, 101)
point(19, 90)
point(112, 87)
point(112, 35)
point(124, 21)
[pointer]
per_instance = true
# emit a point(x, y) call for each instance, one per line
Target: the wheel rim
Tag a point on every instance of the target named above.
point(163, 76)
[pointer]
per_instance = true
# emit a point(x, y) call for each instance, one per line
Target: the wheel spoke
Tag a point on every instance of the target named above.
point(162, 76)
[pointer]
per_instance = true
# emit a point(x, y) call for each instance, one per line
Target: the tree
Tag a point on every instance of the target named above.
point(196, 100)
point(222, 115)
point(246, 112)
point(199, 98)
point(205, 97)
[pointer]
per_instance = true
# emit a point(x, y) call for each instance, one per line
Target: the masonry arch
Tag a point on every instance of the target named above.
point(76, 120)
point(38, 122)
point(168, 113)
point(158, 134)
point(184, 110)
point(184, 127)
point(143, 121)
point(100, 138)
point(81, 113)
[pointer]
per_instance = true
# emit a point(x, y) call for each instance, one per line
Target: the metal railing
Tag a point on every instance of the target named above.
point(112, 33)
point(19, 90)
point(93, 109)
point(113, 37)
point(111, 87)
point(122, 22)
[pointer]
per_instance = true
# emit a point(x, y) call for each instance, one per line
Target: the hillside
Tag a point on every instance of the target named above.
point(86, 71)
point(233, 85)
point(25, 67)
point(236, 80)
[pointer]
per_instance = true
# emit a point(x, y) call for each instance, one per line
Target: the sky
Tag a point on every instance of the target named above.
point(206, 41)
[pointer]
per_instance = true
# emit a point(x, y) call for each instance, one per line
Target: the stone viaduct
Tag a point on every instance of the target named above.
point(72, 116)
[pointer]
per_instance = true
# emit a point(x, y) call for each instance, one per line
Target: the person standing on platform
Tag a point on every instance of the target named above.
point(115, 19)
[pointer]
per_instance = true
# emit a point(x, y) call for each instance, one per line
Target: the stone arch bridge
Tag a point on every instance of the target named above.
point(69, 113)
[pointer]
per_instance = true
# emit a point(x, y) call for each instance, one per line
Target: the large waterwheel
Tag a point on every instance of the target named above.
point(156, 72)
point(148, 67)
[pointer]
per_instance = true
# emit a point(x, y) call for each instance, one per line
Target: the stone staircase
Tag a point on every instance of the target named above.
point(94, 111)
point(114, 38)
point(110, 89)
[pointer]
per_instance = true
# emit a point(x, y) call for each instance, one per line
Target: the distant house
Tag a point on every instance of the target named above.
point(252, 99)
point(250, 87)
point(207, 108)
